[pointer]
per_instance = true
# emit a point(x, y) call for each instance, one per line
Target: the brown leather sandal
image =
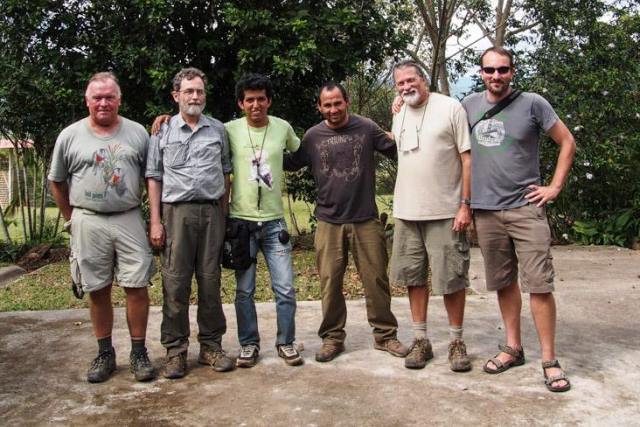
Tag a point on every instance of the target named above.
point(550, 380)
point(518, 360)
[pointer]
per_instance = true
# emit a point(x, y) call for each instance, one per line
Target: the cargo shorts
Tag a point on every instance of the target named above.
point(104, 246)
point(418, 245)
point(513, 241)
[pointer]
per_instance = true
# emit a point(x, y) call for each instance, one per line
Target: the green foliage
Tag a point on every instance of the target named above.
point(48, 49)
point(622, 229)
point(588, 66)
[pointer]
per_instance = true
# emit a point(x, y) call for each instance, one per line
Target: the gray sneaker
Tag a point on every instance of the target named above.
point(140, 366)
point(175, 366)
point(290, 355)
point(419, 353)
point(102, 366)
point(217, 359)
point(248, 356)
point(458, 359)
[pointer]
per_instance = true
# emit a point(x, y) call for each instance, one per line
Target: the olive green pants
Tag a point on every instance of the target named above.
point(195, 232)
point(367, 244)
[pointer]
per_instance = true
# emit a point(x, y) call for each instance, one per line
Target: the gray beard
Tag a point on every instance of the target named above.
point(412, 99)
point(194, 110)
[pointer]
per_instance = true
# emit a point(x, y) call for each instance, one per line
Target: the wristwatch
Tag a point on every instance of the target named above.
point(466, 202)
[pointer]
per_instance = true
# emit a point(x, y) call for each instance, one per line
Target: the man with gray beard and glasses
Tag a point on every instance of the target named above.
point(188, 171)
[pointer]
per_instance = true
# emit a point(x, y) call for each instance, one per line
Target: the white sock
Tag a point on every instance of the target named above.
point(420, 330)
point(455, 333)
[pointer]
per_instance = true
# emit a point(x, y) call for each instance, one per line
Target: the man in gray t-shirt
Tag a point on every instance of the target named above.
point(95, 174)
point(508, 199)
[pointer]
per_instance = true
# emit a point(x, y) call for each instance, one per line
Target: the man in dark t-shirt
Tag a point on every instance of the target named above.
point(340, 152)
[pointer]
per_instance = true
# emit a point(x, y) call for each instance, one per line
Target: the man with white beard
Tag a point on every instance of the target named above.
point(188, 169)
point(431, 208)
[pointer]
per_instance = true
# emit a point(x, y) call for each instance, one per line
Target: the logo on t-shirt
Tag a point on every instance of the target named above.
point(340, 156)
point(106, 164)
point(260, 170)
point(490, 132)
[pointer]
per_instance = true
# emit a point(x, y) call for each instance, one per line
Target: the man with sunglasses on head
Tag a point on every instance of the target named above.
point(257, 142)
point(431, 209)
point(509, 200)
point(188, 183)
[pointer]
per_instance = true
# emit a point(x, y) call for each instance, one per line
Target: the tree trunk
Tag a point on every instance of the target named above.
point(20, 201)
point(43, 205)
point(292, 216)
point(55, 229)
point(5, 230)
point(35, 205)
point(26, 200)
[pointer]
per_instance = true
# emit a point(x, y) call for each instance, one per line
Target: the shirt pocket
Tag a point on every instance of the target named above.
point(175, 155)
point(209, 151)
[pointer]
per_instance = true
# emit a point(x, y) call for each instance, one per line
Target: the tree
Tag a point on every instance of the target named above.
point(48, 49)
point(588, 66)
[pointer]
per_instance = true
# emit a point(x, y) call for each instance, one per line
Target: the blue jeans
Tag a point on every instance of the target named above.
point(278, 258)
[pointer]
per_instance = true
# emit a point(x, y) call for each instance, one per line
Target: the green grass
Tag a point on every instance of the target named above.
point(48, 288)
point(14, 223)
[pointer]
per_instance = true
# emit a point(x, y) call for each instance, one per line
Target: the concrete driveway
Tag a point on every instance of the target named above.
point(44, 357)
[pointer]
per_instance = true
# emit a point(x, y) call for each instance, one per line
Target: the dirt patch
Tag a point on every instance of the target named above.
point(42, 255)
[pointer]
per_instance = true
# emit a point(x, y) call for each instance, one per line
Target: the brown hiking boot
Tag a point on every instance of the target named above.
point(458, 359)
point(419, 353)
point(175, 366)
point(329, 351)
point(393, 346)
point(217, 359)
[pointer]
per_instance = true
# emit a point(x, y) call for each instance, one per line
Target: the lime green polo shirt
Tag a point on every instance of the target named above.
point(256, 157)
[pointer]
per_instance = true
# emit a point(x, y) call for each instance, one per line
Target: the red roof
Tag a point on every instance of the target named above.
point(5, 143)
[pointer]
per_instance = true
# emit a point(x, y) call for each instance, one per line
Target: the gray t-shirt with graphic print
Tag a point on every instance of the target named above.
point(104, 173)
point(505, 149)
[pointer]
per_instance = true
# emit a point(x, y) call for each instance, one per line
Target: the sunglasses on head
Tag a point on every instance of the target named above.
point(491, 70)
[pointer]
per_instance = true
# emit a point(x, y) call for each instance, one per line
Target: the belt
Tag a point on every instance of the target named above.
point(196, 202)
point(91, 211)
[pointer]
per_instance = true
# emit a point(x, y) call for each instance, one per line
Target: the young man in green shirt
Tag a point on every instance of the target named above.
point(257, 142)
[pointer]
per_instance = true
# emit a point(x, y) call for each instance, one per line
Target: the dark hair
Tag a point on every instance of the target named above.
point(409, 63)
point(189, 74)
point(253, 82)
point(331, 85)
point(500, 51)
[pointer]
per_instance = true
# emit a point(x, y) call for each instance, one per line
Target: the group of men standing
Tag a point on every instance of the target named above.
point(98, 162)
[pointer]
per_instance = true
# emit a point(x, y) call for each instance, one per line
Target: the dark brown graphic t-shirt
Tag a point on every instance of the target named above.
point(343, 167)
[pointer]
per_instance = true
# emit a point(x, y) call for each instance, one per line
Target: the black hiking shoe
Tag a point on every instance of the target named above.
point(102, 366)
point(140, 366)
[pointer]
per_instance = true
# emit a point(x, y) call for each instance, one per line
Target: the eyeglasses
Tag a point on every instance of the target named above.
point(190, 92)
point(491, 70)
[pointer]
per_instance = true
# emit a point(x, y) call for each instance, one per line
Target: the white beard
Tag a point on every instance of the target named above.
point(412, 99)
point(194, 110)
